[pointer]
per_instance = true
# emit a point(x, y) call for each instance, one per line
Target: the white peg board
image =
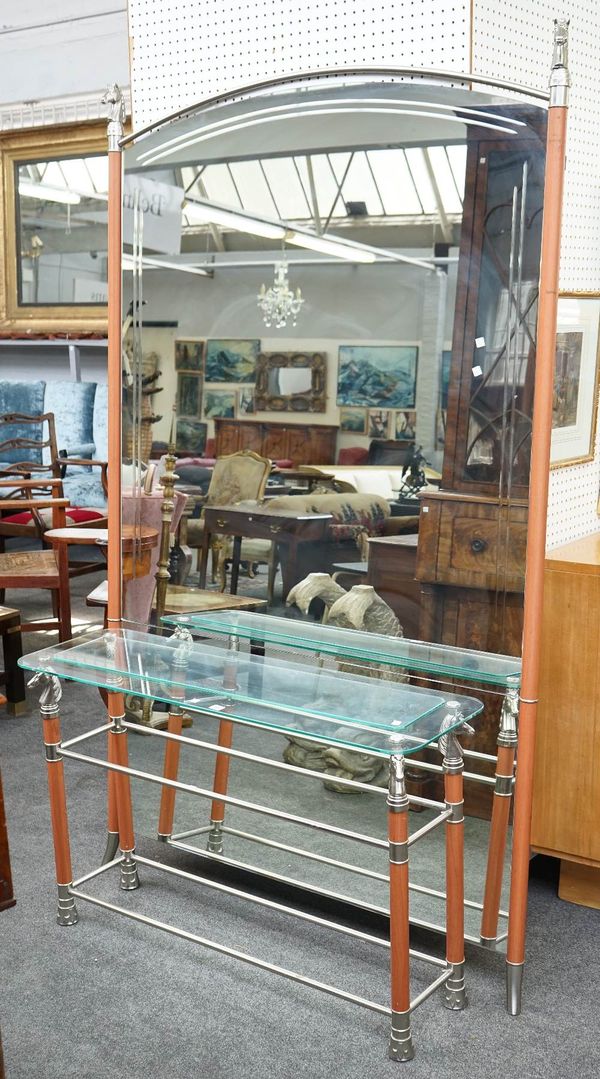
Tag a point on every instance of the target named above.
point(513, 39)
point(185, 50)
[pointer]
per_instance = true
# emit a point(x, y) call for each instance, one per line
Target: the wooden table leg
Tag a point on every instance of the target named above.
point(503, 789)
point(49, 700)
point(174, 726)
point(235, 564)
point(206, 538)
point(15, 681)
point(7, 898)
point(288, 566)
point(455, 996)
point(401, 1045)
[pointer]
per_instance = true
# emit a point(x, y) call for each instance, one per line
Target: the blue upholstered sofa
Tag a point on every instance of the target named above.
point(80, 412)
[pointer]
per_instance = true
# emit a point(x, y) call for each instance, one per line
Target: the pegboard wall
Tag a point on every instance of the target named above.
point(184, 50)
point(513, 39)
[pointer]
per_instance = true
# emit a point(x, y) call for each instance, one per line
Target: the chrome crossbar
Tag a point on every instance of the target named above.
point(188, 788)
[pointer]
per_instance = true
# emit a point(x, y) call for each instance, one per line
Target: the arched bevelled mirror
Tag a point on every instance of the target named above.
point(334, 286)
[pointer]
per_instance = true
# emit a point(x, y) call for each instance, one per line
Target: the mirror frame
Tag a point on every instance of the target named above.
point(76, 140)
point(313, 401)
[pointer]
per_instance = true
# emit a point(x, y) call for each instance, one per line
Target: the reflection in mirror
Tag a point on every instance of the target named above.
point(383, 383)
point(61, 207)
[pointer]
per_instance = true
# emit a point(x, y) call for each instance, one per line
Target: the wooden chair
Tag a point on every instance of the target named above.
point(48, 570)
point(23, 442)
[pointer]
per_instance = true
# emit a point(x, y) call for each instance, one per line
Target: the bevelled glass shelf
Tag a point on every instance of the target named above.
point(439, 659)
point(359, 712)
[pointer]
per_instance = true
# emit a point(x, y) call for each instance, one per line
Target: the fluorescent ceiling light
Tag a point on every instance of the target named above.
point(329, 245)
point(48, 194)
point(162, 264)
point(209, 212)
point(206, 212)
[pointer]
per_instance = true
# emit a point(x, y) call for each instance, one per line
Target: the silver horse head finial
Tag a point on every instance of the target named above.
point(397, 796)
point(113, 96)
point(509, 715)
point(452, 725)
point(184, 644)
point(560, 80)
point(51, 691)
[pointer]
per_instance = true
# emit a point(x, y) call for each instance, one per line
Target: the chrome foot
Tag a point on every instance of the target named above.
point(67, 911)
point(455, 997)
point(215, 838)
point(163, 838)
point(488, 942)
point(401, 1046)
point(129, 874)
point(514, 985)
point(112, 846)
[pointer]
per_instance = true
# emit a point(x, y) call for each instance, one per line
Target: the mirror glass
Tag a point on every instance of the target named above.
point(392, 229)
point(61, 207)
point(287, 382)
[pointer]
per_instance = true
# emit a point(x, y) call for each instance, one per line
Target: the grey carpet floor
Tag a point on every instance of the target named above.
point(109, 997)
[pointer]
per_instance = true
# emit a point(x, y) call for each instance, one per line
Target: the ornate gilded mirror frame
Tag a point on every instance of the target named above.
point(76, 140)
point(314, 400)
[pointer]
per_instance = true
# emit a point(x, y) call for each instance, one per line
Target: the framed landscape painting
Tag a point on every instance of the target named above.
point(379, 423)
point(377, 376)
point(405, 426)
point(231, 360)
point(575, 397)
point(189, 394)
point(190, 435)
point(245, 401)
point(188, 355)
point(354, 420)
point(219, 403)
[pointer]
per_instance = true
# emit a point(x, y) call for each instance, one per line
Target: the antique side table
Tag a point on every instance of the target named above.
point(286, 529)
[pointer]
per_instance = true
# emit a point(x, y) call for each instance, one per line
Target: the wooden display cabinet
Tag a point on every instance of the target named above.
point(303, 444)
point(566, 802)
point(472, 533)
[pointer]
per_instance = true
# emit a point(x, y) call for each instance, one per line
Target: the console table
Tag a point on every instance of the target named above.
point(392, 720)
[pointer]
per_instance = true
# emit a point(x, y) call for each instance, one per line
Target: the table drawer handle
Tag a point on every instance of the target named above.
point(274, 528)
point(478, 545)
point(221, 522)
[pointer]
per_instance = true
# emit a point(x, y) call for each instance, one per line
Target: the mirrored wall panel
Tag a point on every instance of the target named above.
point(330, 338)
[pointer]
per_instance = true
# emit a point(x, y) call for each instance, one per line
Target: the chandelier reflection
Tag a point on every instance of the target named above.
point(278, 303)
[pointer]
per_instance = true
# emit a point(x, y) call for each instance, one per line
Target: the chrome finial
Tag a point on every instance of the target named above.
point(560, 79)
point(116, 118)
point(452, 724)
point(51, 691)
point(507, 734)
point(397, 796)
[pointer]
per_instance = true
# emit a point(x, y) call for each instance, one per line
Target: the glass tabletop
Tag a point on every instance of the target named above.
point(358, 712)
point(439, 659)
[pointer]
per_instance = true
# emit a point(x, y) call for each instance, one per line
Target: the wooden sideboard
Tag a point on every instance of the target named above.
point(301, 443)
point(566, 805)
